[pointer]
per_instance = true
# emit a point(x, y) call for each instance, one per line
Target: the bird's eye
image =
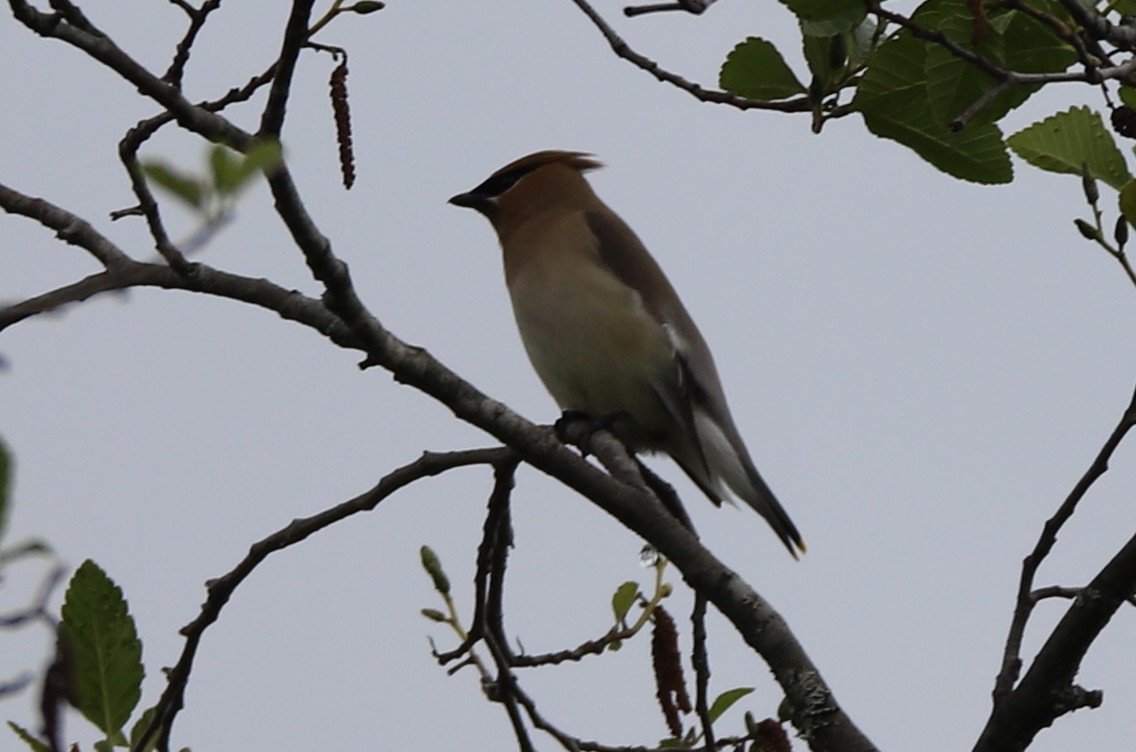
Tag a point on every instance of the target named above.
point(498, 184)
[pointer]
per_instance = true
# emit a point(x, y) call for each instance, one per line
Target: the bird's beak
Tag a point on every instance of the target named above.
point(468, 200)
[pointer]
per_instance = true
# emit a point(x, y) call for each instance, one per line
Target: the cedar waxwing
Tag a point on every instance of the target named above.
point(607, 333)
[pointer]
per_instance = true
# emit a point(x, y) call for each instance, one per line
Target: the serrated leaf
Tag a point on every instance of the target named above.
point(954, 85)
point(1067, 140)
point(107, 652)
point(894, 99)
point(1127, 202)
point(5, 486)
point(623, 599)
point(179, 184)
point(724, 701)
point(1031, 47)
point(35, 744)
point(828, 16)
point(755, 69)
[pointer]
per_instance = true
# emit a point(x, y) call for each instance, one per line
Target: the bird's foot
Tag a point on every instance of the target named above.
point(576, 427)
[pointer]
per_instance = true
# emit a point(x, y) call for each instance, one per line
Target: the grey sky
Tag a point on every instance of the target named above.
point(922, 369)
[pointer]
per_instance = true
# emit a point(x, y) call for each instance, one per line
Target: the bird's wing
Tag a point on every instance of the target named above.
point(711, 449)
point(691, 383)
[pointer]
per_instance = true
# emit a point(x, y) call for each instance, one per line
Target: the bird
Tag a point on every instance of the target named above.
point(606, 331)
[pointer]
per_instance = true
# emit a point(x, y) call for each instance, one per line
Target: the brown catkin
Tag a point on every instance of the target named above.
point(670, 685)
point(772, 737)
point(343, 123)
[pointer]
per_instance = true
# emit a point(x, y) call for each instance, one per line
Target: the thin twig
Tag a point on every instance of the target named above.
point(1067, 593)
point(701, 662)
point(197, 19)
point(1011, 655)
point(295, 35)
point(623, 50)
point(489, 556)
point(220, 590)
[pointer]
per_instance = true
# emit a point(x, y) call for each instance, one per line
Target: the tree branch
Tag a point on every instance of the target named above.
point(295, 35)
point(1019, 713)
point(816, 712)
point(220, 590)
point(623, 50)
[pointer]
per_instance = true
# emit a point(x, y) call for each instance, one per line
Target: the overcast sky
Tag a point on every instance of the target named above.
point(921, 367)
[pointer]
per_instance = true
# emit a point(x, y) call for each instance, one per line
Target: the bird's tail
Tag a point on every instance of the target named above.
point(728, 462)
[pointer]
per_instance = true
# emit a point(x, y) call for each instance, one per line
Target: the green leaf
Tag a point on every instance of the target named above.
point(723, 701)
point(755, 69)
point(35, 744)
point(913, 91)
point(623, 599)
point(232, 171)
point(1128, 94)
point(954, 85)
point(1067, 140)
point(179, 184)
point(107, 652)
point(5, 485)
point(139, 728)
point(673, 743)
point(224, 164)
point(108, 745)
point(1030, 46)
point(827, 58)
point(895, 100)
point(261, 156)
point(828, 17)
point(1128, 202)
point(785, 710)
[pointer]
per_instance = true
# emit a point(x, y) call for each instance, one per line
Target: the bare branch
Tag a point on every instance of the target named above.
point(1047, 691)
point(695, 7)
point(97, 45)
point(295, 35)
point(68, 227)
point(1122, 36)
point(701, 662)
point(220, 590)
point(623, 50)
point(197, 19)
point(1068, 593)
point(1011, 656)
point(816, 712)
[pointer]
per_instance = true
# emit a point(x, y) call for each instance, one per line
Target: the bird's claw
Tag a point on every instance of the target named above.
point(577, 427)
